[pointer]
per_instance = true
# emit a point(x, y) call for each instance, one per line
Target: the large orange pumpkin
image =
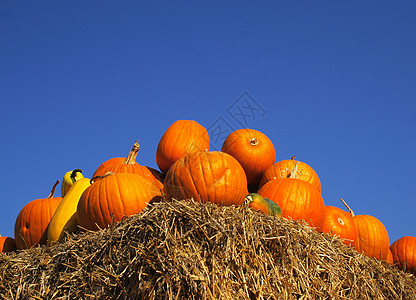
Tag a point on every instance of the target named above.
point(128, 165)
point(339, 223)
point(114, 196)
point(291, 168)
point(7, 244)
point(372, 237)
point(404, 253)
point(253, 150)
point(298, 199)
point(215, 177)
point(180, 139)
point(32, 222)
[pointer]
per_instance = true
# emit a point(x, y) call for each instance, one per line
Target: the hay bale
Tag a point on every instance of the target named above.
point(190, 250)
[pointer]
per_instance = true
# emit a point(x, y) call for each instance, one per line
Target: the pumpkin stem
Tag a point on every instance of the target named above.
point(53, 189)
point(254, 142)
point(349, 208)
point(294, 171)
point(131, 157)
point(100, 177)
point(293, 157)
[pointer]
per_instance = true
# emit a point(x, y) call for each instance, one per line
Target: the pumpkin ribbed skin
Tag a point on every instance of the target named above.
point(404, 253)
point(32, 222)
point(128, 165)
point(132, 169)
point(284, 168)
point(114, 197)
point(253, 150)
point(372, 237)
point(339, 223)
point(298, 200)
point(109, 162)
point(180, 139)
point(7, 244)
point(215, 177)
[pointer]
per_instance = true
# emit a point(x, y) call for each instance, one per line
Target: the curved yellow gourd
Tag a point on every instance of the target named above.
point(69, 179)
point(64, 217)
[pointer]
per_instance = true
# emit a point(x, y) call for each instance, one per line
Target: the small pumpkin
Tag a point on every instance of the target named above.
point(128, 165)
point(33, 220)
point(372, 237)
point(298, 200)
point(7, 244)
point(265, 205)
point(180, 139)
point(291, 168)
point(339, 223)
point(214, 177)
point(113, 197)
point(253, 150)
point(404, 253)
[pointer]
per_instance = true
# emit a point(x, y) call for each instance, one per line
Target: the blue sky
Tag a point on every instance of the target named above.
point(331, 82)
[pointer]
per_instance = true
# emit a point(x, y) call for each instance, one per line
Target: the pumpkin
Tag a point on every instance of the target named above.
point(264, 205)
point(128, 165)
point(372, 237)
point(7, 244)
point(109, 162)
point(180, 139)
point(33, 220)
point(339, 223)
point(286, 168)
point(298, 200)
point(214, 177)
point(404, 253)
point(253, 150)
point(113, 197)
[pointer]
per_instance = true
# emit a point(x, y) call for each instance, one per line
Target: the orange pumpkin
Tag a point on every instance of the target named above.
point(128, 165)
point(372, 237)
point(215, 177)
point(404, 253)
point(113, 197)
point(7, 244)
point(109, 162)
point(180, 139)
point(32, 222)
point(339, 223)
point(298, 200)
point(286, 168)
point(253, 150)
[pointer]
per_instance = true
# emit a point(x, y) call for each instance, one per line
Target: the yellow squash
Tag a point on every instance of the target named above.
point(64, 218)
point(69, 179)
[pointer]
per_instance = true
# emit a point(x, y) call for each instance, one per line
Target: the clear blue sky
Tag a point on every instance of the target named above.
point(332, 82)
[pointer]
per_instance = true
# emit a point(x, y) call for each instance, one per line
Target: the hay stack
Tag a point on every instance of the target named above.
point(189, 250)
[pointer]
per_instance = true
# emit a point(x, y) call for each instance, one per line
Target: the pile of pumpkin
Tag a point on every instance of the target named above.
point(244, 172)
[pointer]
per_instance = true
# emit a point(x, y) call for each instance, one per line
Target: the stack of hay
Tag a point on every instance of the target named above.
point(185, 249)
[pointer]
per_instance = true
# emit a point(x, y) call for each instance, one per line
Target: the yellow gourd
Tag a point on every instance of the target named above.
point(64, 218)
point(69, 179)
